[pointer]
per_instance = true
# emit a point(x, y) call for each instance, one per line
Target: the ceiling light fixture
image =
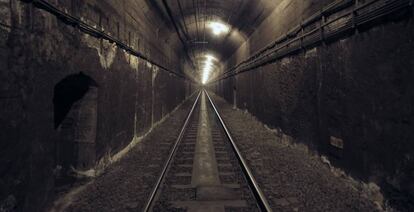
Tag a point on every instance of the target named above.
point(208, 67)
point(218, 28)
point(210, 57)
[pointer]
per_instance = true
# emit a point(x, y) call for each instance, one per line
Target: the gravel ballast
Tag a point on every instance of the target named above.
point(291, 178)
point(126, 184)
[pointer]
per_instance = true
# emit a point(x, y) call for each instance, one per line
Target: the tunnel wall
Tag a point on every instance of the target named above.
point(130, 94)
point(350, 99)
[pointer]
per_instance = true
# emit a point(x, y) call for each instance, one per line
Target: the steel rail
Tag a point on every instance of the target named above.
point(154, 192)
point(261, 200)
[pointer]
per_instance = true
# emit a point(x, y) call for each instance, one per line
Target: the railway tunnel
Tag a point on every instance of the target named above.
point(206, 105)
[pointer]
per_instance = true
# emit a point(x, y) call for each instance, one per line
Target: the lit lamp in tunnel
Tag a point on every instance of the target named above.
point(207, 68)
point(210, 58)
point(206, 72)
point(218, 28)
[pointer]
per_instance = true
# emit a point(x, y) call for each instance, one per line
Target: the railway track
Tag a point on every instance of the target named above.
point(205, 170)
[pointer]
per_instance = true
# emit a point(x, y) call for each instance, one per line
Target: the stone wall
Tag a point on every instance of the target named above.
point(350, 99)
point(106, 96)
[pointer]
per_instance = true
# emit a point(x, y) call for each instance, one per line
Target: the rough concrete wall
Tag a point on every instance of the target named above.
point(38, 51)
point(351, 100)
point(286, 15)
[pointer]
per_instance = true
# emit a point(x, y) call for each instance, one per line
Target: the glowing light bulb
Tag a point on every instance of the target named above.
point(218, 28)
point(207, 67)
point(210, 57)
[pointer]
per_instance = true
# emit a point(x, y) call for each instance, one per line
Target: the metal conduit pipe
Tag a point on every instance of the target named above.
point(284, 45)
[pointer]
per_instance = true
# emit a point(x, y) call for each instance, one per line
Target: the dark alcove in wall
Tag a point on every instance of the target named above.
point(75, 116)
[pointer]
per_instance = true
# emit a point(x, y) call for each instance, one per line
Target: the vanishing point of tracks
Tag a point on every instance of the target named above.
point(205, 171)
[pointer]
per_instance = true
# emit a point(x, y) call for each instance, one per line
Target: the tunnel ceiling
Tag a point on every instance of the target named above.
point(213, 27)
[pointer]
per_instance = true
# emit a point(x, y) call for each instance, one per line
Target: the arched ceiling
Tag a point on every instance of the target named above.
point(192, 22)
